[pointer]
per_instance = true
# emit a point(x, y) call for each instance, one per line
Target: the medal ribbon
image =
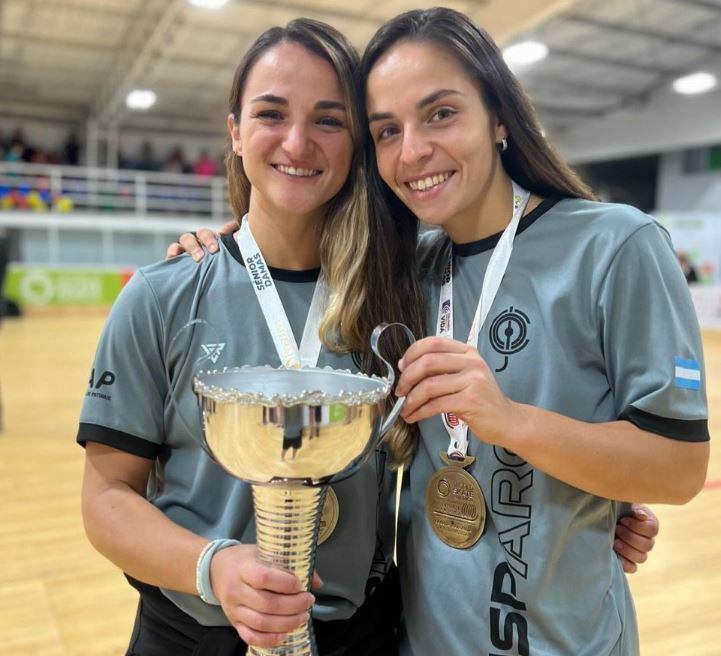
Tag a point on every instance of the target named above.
point(497, 265)
point(274, 313)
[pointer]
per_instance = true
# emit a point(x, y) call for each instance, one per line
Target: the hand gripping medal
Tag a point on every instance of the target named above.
point(455, 505)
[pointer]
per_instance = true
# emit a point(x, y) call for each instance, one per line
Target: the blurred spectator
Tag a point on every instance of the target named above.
point(205, 167)
point(176, 162)
point(688, 269)
point(15, 152)
point(17, 149)
point(71, 150)
point(147, 160)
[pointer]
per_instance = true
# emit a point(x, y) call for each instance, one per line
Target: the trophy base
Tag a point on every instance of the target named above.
point(287, 520)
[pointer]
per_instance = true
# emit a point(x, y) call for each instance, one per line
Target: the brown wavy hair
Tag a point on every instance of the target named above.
point(368, 257)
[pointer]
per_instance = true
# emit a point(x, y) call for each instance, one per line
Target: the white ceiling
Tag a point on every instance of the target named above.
point(72, 60)
point(620, 54)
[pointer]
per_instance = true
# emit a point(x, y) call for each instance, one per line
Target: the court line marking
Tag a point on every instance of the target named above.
point(713, 485)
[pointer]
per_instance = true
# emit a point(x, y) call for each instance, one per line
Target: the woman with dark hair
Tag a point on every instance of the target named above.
point(153, 503)
point(539, 414)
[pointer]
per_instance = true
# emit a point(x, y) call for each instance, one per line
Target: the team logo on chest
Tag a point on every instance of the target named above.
point(509, 333)
point(213, 351)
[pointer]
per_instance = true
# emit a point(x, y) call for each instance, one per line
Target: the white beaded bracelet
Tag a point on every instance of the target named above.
point(202, 569)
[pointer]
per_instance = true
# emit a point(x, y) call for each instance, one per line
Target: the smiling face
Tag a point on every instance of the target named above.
point(293, 133)
point(435, 141)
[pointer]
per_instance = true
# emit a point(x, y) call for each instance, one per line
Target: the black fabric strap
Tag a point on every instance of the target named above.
point(685, 430)
point(133, 444)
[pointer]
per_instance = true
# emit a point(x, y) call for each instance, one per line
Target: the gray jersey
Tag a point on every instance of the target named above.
point(129, 405)
point(593, 320)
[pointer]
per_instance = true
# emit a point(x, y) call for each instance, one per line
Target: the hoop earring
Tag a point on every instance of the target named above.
point(503, 145)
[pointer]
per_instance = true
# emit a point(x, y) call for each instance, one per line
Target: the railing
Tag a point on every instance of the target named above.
point(45, 187)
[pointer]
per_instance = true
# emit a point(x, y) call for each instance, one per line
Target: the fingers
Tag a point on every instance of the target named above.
point(430, 345)
point(635, 535)
point(437, 362)
point(208, 239)
point(258, 639)
point(431, 389)
point(632, 546)
point(189, 244)
point(264, 618)
point(173, 251)
point(265, 623)
point(263, 603)
point(643, 521)
point(273, 579)
point(628, 566)
point(626, 552)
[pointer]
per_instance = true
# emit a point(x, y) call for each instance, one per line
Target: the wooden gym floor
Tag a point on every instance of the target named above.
point(60, 598)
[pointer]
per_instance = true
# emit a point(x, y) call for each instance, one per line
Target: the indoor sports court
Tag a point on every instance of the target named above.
point(112, 134)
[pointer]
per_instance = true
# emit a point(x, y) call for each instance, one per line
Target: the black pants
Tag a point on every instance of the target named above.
point(162, 629)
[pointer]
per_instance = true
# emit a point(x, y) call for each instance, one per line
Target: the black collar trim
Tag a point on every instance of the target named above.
point(476, 247)
point(286, 275)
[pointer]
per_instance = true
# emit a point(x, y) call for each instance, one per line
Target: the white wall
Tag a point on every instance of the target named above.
point(669, 122)
point(677, 190)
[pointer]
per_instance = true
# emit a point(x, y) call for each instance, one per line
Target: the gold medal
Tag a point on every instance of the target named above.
point(328, 516)
point(455, 505)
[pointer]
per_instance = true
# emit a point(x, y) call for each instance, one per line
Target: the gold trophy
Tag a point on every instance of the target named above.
point(290, 433)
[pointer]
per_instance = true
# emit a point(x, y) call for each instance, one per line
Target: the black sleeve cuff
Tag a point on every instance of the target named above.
point(137, 446)
point(684, 430)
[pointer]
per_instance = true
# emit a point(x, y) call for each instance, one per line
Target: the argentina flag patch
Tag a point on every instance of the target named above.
point(687, 374)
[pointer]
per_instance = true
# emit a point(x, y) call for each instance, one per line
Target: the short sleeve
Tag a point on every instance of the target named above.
point(124, 401)
point(651, 339)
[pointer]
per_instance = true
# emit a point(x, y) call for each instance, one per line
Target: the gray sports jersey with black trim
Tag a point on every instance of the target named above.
point(128, 406)
point(591, 321)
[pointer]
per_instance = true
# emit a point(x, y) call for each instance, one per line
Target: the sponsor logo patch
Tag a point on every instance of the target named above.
point(99, 380)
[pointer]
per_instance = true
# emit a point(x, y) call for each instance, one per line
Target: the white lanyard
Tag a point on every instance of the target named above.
point(276, 319)
point(497, 265)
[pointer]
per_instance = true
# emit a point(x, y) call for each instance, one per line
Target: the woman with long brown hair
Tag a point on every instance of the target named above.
point(153, 502)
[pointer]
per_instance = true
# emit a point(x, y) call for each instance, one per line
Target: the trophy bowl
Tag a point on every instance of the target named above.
point(289, 433)
point(305, 426)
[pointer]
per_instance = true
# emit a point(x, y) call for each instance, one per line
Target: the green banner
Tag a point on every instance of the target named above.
point(39, 286)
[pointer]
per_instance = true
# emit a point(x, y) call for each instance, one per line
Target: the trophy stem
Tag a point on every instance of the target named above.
point(287, 521)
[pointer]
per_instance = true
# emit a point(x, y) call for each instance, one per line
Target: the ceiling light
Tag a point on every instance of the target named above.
point(140, 99)
point(694, 83)
point(208, 4)
point(525, 52)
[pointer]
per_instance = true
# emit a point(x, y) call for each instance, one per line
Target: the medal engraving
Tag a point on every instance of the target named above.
point(455, 505)
point(329, 516)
